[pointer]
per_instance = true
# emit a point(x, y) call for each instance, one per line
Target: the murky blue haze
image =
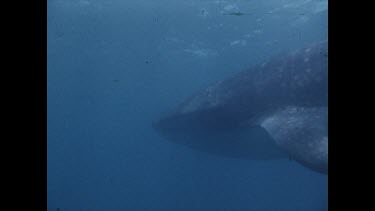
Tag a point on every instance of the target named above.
point(114, 66)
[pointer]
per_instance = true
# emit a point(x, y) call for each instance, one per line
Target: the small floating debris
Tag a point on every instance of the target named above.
point(235, 13)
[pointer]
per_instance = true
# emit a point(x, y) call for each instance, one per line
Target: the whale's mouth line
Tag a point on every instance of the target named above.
point(196, 121)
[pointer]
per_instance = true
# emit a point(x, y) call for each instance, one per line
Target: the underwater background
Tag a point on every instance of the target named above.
point(114, 66)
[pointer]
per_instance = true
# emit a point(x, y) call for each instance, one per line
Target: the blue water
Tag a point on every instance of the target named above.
point(115, 65)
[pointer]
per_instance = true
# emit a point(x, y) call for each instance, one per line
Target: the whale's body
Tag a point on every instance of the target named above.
point(273, 110)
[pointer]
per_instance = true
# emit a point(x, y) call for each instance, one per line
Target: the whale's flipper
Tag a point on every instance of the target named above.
point(303, 133)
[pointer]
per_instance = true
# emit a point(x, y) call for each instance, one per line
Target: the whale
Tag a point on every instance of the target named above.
point(277, 109)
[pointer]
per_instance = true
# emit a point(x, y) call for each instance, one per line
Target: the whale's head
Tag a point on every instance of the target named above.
point(226, 117)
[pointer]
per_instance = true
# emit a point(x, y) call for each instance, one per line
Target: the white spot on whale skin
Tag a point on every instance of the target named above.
point(321, 149)
point(248, 35)
point(203, 13)
point(231, 7)
point(257, 31)
point(307, 59)
point(301, 20)
point(83, 3)
point(320, 6)
point(238, 42)
point(173, 39)
point(201, 52)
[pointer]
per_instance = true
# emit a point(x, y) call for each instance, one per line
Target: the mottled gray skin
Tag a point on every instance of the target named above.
point(252, 98)
point(303, 134)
